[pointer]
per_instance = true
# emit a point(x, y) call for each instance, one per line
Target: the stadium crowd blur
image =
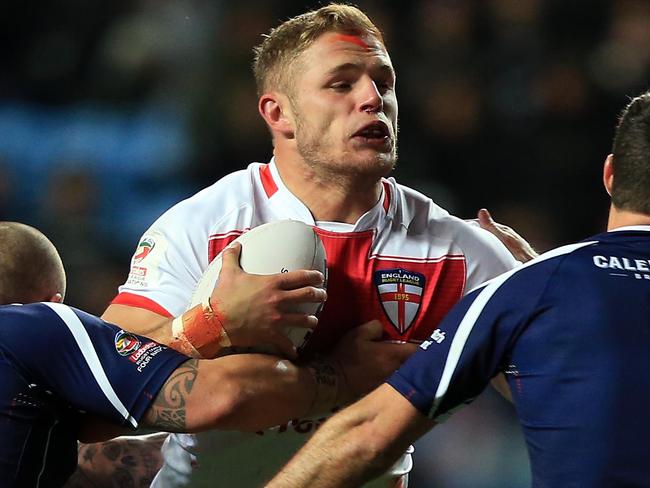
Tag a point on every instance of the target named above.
point(112, 111)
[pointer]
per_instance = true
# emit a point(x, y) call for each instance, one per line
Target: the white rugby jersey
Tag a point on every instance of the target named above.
point(406, 262)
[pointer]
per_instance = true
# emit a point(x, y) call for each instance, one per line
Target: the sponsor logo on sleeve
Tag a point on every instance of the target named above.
point(400, 294)
point(126, 343)
point(145, 246)
point(144, 263)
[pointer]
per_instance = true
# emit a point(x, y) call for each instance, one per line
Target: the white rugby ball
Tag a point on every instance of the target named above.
point(275, 247)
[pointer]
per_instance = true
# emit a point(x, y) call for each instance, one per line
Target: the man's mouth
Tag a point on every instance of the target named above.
point(374, 132)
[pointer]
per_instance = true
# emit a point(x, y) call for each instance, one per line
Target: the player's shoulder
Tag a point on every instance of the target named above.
point(419, 213)
point(229, 192)
point(226, 205)
point(37, 326)
point(40, 312)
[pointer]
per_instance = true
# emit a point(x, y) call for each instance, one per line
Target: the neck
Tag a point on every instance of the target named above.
point(624, 218)
point(331, 197)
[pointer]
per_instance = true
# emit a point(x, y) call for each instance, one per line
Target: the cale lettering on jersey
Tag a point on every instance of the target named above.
point(639, 267)
point(623, 264)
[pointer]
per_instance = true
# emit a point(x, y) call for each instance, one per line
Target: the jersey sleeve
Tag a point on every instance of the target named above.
point(472, 343)
point(167, 264)
point(486, 255)
point(90, 364)
point(172, 254)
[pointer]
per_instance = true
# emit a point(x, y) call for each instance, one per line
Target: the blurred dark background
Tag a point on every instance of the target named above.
point(110, 112)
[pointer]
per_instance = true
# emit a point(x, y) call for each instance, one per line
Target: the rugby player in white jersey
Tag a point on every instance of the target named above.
point(327, 93)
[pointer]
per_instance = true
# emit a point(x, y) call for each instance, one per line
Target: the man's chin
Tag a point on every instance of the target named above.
point(379, 165)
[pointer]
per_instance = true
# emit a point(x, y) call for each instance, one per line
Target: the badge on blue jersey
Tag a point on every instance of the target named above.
point(126, 343)
point(400, 294)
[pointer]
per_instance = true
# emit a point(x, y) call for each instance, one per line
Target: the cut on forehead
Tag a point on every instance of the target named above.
point(275, 56)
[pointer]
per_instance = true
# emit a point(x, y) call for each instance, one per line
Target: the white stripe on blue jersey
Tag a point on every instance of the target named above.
point(86, 347)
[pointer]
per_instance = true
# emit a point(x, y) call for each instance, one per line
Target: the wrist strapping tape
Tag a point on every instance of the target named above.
point(199, 332)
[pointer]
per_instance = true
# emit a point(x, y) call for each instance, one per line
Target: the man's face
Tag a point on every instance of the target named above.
point(344, 105)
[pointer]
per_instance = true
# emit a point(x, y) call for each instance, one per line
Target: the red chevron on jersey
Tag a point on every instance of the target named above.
point(218, 242)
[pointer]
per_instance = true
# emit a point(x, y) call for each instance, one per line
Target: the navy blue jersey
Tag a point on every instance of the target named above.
point(571, 331)
point(56, 363)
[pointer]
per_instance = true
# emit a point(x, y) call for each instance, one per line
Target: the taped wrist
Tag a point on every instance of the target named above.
point(199, 332)
point(328, 376)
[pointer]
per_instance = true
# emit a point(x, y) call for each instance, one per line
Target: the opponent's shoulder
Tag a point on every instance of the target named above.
point(551, 265)
point(37, 329)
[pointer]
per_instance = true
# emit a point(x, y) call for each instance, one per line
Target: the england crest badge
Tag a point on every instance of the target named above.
point(400, 294)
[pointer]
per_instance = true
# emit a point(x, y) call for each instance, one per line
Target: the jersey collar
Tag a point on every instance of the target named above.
point(644, 228)
point(287, 206)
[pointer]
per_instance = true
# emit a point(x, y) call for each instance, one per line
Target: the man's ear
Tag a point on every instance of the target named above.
point(275, 109)
point(56, 298)
point(608, 174)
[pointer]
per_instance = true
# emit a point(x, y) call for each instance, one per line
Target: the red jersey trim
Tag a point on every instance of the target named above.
point(133, 300)
point(450, 257)
point(344, 235)
point(230, 233)
point(270, 187)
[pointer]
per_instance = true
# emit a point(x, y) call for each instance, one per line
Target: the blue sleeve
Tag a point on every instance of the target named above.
point(472, 342)
point(94, 366)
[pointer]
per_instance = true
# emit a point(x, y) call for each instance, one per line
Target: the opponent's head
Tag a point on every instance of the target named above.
point(627, 170)
point(30, 266)
point(327, 90)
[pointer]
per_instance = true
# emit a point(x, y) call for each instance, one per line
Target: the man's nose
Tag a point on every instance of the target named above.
point(371, 99)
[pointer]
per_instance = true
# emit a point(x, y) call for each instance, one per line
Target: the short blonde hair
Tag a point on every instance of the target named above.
point(283, 44)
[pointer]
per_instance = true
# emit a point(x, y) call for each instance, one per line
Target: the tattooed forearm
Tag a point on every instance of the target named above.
point(119, 463)
point(168, 410)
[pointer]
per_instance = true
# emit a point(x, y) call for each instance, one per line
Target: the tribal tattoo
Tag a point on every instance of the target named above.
point(168, 410)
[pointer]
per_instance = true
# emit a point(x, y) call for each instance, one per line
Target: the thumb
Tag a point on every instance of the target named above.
point(230, 256)
point(372, 330)
point(485, 219)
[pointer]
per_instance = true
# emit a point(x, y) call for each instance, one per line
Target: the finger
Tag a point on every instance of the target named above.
point(405, 350)
point(301, 320)
point(308, 294)
point(300, 278)
point(284, 345)
point(230, 256)
point(485, 219)
point(401, 351)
